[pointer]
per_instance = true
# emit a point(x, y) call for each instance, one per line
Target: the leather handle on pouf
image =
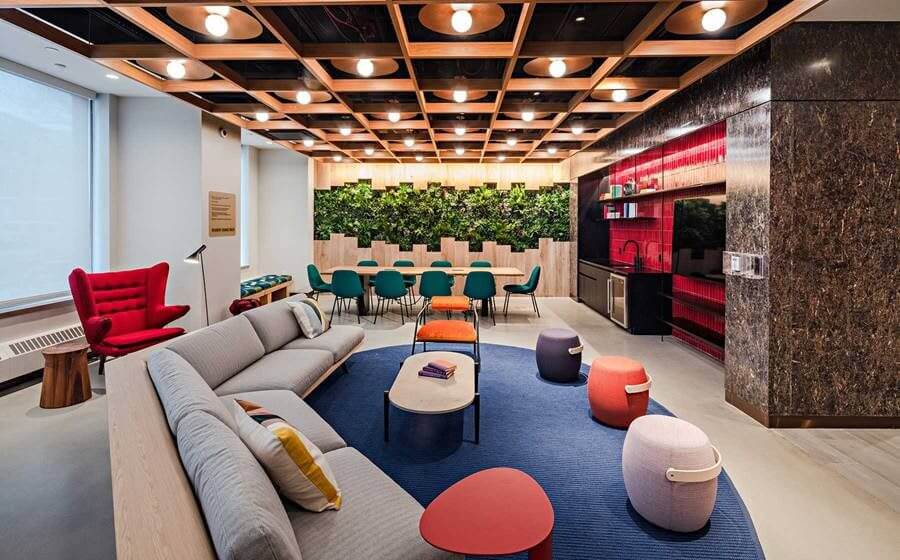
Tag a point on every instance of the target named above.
point(576, 349)
point(640, 388)
point(699, 475)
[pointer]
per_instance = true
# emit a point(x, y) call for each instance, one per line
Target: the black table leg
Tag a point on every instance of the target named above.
point(477, 418)
point(387, 407)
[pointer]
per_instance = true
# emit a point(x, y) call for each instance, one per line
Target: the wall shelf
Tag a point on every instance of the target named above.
point(696, 303)
point(633, 218)
point(696, 331)
point(642, 195)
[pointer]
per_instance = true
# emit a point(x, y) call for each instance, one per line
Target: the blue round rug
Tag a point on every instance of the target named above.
point(542, 428)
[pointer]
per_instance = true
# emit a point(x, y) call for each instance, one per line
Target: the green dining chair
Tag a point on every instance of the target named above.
point(371, 283)
point(434, 283)
point(481, 264)
point(346, 287)
point(316, 282)
point(408, 279)
point(480, 286)
point(444, 264)
point(389, 286)
point(528, 289)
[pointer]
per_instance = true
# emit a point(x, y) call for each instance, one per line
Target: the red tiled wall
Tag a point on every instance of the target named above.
point(696, 158)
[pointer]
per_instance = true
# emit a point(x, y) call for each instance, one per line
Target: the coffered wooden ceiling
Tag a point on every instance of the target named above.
point(515, 110)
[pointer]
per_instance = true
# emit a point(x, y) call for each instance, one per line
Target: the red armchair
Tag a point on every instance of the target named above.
point(124, 311)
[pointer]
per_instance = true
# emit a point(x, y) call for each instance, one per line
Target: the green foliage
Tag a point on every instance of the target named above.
point(406, 216)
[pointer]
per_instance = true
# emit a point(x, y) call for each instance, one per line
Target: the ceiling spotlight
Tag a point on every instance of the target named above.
point(175, 69)
point(579, 19)
point(501, 157)
point(409, 141)
point(59, 65)
point(365, 67)
point(527, 116)
point(460, 130)
point(460, 150)
point(344, 130)
point(304, 97)
point(536, 93)
point(557, 67)
point(511, 141)
point(370, 150)
point(112, 76)
point(577, 129)
point(460, 95)
point(419, 157)
point(394, 116)
point(551, 150)
point(261, 116)
point(268, 142)
point(713, 19)
point(619, 95)
point(461, 21)
point(309, 142)
point(215, 21)
point(337, 157)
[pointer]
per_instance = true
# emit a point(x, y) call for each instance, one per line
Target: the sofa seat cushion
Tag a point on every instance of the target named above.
point(221, 350)
point(295, 412)
point(340, 340)
point(181, 390)
point(244, 514)
point(274, 324)
point(378, 520)
point(293, 370)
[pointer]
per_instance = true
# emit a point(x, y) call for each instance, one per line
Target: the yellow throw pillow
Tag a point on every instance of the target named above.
point(296, 466)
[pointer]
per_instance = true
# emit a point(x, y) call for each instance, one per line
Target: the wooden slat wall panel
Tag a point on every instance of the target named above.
point(460, 175)
point(554, 258)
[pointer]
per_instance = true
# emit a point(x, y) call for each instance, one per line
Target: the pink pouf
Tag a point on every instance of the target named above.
point(670, 471)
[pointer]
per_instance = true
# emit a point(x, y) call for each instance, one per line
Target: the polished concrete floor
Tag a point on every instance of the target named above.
point(813, 494)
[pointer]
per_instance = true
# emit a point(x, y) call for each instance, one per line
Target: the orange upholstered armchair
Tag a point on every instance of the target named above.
point(124, 311)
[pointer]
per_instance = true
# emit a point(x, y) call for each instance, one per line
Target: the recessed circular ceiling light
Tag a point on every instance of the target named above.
point(337, 157)
point(537, 93)
point(713, 19)
point(309, 142)
point(460, 130)
point(409, 141)
point(51, 49)
point(557, 67)
point(511, 141)
point(419, 157)
point(175, 69)
point(112, 76)
point(579, 19)
point(394, 116)
point(215, 21)
point(370, 150)
point(304, 97)
point(577, 129)
point(461, 20)
point(501, 157)
point(344, 130)
point(619, 95)
point(527, 116)
point(551, 150)
point(460, 95)
point(365, 67)
point(460, 150)
point(261, 116)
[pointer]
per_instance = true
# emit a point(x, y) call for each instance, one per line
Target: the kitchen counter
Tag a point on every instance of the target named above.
point(623, 269)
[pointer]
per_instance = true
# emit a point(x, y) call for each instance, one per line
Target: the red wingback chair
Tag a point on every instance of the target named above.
point(124, 311)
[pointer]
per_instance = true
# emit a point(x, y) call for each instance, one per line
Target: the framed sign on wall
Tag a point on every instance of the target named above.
point(222, 214)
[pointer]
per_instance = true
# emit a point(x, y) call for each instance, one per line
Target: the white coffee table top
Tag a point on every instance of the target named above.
point(428, 395)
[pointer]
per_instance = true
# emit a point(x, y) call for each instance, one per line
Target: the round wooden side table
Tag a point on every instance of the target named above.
point(66, 377)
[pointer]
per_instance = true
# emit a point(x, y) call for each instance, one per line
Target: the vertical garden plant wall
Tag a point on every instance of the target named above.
point(406, 216)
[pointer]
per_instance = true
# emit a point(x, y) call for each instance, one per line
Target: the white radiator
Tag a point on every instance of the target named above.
point(23, 355)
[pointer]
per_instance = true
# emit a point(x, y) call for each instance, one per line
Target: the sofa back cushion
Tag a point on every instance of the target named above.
point(221, 350)
point(274, 323)
point(181, 390)
point(245, 516)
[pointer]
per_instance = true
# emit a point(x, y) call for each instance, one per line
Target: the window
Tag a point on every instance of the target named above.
point(45, 190)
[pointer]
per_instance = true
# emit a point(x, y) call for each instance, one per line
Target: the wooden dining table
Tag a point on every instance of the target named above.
point(366, 271)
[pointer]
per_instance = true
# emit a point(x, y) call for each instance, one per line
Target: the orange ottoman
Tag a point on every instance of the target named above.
point(618, 390)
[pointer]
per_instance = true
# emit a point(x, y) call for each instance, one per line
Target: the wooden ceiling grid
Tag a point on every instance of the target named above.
point(488, 121)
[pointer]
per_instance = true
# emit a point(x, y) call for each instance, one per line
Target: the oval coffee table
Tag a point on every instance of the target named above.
point(429, 395)
point(494, 512)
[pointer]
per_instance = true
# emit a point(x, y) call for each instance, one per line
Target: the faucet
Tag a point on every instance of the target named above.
point(638, 264)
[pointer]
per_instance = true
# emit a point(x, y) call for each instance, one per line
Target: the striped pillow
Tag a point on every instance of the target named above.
point(296, 466)
point(310, 317)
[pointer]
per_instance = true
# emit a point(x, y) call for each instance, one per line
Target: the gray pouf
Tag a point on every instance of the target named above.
point(559, 355)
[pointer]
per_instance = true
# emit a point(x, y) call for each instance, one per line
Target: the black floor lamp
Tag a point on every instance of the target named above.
point(194, 258)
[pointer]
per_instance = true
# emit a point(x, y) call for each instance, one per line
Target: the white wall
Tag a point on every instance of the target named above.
point(250, 176)
point(285, 215)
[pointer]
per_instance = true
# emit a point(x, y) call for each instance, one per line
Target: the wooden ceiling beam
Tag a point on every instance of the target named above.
point(548, 84)
point(519, 106)
point(596, 49)
point(400, 126)
point(135, 73)
point(510, 124)
point(681, 47)
point(447, 108)
point(199, 86)
point(609, 107)
point(377, 85)
point(285, 124)
point(242, 51)
point(133, 51)
point(316, 108)
point(460, 49)
point(623, 82)
point(239, 108)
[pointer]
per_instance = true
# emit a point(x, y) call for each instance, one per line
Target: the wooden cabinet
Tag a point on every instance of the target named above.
point(593, 285)
point(636, 303)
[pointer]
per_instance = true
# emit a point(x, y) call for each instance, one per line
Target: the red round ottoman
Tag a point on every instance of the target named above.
point(618, 390)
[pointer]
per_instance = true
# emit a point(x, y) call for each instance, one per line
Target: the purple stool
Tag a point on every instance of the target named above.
point(559, 355)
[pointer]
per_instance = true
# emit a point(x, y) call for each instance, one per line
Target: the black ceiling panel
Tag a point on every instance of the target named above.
point(270, 69)
point(339, 24)
point(459, 67)
point(95, 25)
point(228, 97)
point(544, 97)
point(657, 67)
point(602, 21)
point(356, 98)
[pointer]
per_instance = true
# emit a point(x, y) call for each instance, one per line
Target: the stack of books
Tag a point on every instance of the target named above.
point(440, 369)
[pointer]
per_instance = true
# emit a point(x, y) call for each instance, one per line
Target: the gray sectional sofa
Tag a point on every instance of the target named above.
point(260, 356)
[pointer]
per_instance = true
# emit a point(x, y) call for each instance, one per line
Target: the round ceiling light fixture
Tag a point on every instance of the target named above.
point(394, 116)
point(369, 150)
point(175, 69)
point(460, 150)
point(577, 129)
point(365, 67)
point(309, 142)
point(261, 116)
point(501, 157)
point(619, 95)
point(713, 19)
point(551, 150)
point(215, 21)
point(409, 141)
point(511, 141)
point(337, 157)
point(461, 20)
point(557, 67)
point(304, 97)
point(221, 22)
point(527, 116)
point(344, 130)
point(460, 95)
point(460, 130)
point(419, 157)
